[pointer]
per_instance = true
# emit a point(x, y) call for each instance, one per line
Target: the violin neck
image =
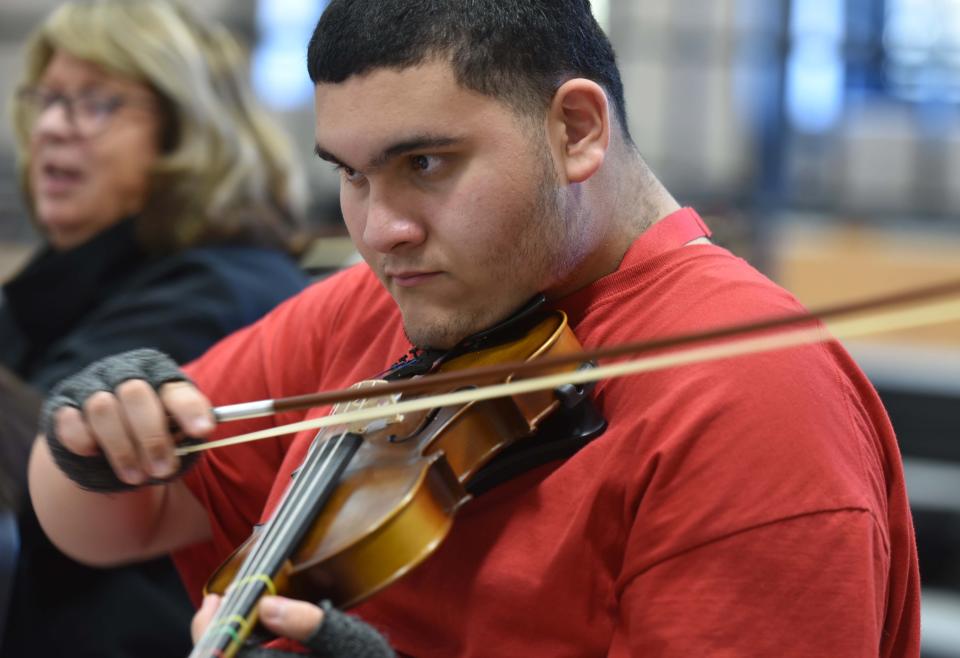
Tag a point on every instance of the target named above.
point(312, 485)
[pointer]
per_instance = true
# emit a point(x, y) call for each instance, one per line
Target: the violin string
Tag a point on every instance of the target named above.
point(273, 537)
point(240, 601)
point(276, 533)
point(925, 315)
point(312, 469)
point(314, 455)
point(275, 540)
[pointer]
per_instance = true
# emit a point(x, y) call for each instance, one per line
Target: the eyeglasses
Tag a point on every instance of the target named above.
point(88, 112)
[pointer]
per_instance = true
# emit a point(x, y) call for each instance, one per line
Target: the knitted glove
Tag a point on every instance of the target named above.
point(94, 472)
point(339, 636)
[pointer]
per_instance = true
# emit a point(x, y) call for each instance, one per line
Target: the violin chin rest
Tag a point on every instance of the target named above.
point(560, 436)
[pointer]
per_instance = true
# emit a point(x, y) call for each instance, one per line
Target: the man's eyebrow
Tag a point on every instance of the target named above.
point(326, 155)
point(416, 143)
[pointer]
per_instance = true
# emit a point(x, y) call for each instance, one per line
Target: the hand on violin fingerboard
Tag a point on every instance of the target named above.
point(326, 631)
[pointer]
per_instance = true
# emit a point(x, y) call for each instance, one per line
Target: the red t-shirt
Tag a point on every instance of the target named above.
point(747, 507)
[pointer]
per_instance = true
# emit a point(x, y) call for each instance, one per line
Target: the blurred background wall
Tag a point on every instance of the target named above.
point(820, 138)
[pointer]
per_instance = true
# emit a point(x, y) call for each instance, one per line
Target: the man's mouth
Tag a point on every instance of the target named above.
point(411, 278)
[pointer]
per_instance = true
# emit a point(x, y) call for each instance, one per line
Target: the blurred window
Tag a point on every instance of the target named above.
point(601, 11)
point(284, 28)
point(279, 60)
point(842, 50)
point(815, 67)
point(921, 41)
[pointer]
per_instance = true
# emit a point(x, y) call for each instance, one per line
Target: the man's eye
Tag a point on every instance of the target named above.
point(424, 163)
point(350, 175)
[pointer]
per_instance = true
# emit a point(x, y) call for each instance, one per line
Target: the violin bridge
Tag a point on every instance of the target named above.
point(377, 424)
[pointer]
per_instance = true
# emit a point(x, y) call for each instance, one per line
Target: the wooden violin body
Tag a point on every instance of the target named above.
point(395, 499)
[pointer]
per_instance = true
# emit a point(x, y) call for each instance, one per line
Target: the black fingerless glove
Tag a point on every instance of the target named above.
point(339, 636)
point(95, 473)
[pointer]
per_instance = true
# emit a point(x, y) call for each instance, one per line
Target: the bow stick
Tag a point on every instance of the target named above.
point(925, 306)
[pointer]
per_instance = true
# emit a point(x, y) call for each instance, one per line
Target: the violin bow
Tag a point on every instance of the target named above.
point(910, 309)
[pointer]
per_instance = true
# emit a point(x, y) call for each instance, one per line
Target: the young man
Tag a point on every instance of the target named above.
point(754, 507)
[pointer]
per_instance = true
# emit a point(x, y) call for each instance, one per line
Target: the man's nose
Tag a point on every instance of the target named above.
point(390, 225)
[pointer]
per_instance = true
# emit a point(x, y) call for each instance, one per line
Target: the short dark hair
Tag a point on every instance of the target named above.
point(519, 51)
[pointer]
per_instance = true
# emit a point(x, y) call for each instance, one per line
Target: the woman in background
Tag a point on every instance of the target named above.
point(170, 211)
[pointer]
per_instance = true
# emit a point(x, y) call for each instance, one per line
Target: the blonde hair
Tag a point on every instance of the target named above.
point(227, 172)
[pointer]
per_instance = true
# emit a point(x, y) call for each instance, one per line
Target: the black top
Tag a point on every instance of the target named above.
point(65, 310)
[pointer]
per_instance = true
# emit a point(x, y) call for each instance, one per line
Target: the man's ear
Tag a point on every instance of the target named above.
point(579, 127)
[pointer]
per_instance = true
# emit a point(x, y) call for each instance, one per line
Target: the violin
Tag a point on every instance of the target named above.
point(371, 501)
